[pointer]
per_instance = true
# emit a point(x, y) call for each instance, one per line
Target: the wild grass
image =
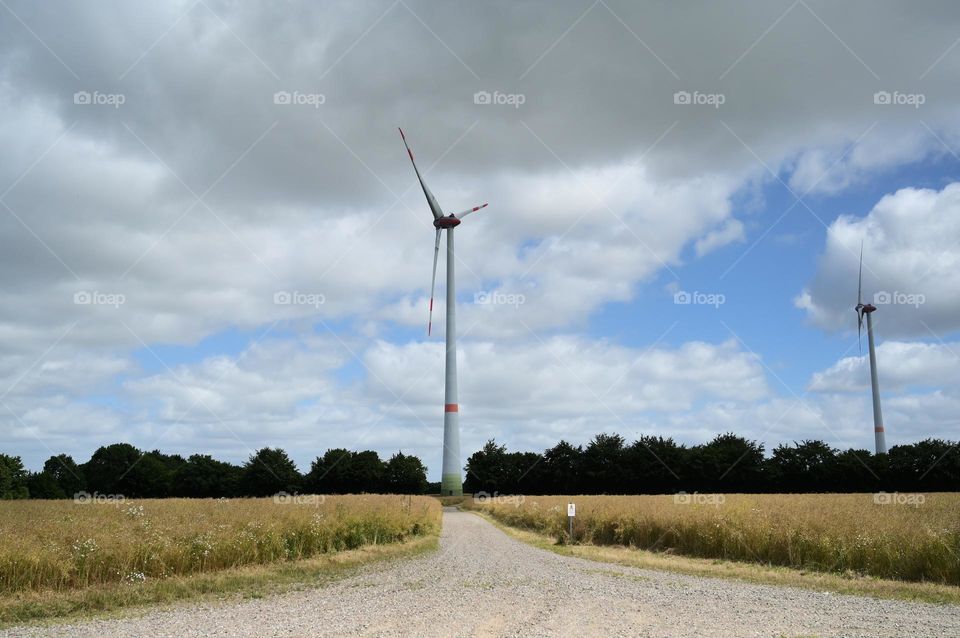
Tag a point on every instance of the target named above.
point(60, 546)
point(452, 501)
point(915, 539)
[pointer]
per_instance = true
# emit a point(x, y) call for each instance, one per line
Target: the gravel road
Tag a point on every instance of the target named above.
point(483, 583)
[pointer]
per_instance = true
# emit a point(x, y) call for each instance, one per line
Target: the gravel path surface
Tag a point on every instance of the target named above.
point(483, 583)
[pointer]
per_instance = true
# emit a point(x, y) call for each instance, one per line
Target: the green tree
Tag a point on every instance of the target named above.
point(366, 472)
point(561, 469)
point(930, 465)
point(604, 465)
point(202, 476)
point(857, 471)
point(332, 473)
point(487, 469)
point(44, 485)
point(808, 466)
point(123, 469)
point(405, 475)
point(525, 473)
point(68, 475)
point(165, 468)
point(13, 478)
point(657, 465)
point(269, 471)
point(729, 463)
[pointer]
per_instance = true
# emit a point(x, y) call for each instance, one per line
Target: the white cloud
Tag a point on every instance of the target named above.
point(911, 267)
point(730, 232)
point(899, 364)
point(597, 184)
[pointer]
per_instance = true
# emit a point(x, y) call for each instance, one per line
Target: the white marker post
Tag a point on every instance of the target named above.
point(571, 512)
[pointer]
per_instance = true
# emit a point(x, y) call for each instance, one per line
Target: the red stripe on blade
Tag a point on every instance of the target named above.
point(451, 407)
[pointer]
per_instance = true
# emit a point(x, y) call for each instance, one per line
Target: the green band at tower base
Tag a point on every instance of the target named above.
point(451, 485)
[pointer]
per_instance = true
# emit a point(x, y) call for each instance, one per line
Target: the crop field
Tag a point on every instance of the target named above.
point(55, 546)
point(913, 537)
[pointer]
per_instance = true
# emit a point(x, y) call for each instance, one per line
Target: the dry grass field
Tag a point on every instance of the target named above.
point(56, 546)
point(893, 536)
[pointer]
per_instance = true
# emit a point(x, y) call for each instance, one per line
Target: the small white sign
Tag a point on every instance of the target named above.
point(571, 509)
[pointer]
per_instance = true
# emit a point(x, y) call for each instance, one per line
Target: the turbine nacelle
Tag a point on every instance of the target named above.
point(446, 222)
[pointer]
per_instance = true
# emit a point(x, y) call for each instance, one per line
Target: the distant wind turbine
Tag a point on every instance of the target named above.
point(451, 483)
point(867, 310)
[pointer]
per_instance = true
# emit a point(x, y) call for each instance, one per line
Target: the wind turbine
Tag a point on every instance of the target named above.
point(868, 310)
point(451, 482)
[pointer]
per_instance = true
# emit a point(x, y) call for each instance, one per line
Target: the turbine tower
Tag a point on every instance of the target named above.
point(451, 482)
point(868, 310)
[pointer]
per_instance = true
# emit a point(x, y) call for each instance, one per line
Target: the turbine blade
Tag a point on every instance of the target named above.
point(860, 279)
point(431, 200)
point(470, 210)
point(433, 281)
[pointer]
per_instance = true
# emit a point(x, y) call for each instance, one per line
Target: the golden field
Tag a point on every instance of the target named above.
point(63, 545)
point(895, 536)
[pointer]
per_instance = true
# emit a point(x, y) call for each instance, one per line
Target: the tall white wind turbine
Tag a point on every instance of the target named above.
point(867, 310)
point(451, 482)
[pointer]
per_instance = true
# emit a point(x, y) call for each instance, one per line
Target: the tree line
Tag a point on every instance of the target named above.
point(122, 469)
point(606, 465)
point(729, 463)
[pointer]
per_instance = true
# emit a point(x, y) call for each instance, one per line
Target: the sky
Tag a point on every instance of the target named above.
point(211, 238)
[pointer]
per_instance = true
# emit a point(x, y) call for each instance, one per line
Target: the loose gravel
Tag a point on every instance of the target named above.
point(481, 582)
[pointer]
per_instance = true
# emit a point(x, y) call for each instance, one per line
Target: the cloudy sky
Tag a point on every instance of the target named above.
point(173, 172)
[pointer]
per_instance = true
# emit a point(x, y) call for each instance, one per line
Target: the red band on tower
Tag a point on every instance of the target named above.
point(451, 407)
